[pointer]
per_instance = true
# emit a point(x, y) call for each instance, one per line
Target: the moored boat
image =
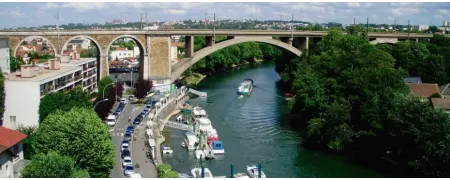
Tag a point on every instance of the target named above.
point(217, 147)
point(198, 112)
point(190, 140)
point(167, 150)
point(245, 87)
point(253, 172)
point(289, 96)
point(197, 173)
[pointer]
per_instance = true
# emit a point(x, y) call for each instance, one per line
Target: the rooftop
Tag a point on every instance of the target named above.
point(78, 62)
point(441, 103)
point(423, 90)
point(9, 138)
point(412, 80)
point(46, 74)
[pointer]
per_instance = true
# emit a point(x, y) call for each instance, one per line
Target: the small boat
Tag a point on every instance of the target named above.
point(217, 147)
point(198, 112)
point(197, 173)
point(241, 175)
point(200, 154)
point(167, 150)
point(246, 87)
point(190, 140)
point(289, 96)
point(183, 145)
point(252, 172)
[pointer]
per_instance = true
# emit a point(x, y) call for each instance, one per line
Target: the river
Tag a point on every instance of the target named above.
point(257, 128)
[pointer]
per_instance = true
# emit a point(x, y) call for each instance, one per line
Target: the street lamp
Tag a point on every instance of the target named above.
point(100, 102)
point(105, 89)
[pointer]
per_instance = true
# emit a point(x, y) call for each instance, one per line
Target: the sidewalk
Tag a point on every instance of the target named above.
point(146, 166)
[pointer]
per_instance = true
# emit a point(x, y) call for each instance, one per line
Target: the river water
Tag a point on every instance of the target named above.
point(257, 128)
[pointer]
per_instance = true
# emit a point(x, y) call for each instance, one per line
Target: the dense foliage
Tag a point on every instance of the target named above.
point(165, 171)
point(234, 55)
point(142, 87)
point(354, 100)
point(2, 96)
point(30, 131)
point(78, 134)
point(53, 165)
point(106, 88)
point(63, 101)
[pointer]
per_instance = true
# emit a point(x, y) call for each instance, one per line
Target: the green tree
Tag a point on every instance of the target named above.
point(410, 55)
point(165, 171)
point(81, 135)
point(52, 165)
point(2, 96)
point(104, 83)
point(142, 87)
point(52, 102)
point(30, 131)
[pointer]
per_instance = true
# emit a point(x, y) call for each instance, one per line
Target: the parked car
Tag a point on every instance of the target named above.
point(128, 170)
point(127, 136)
point(130, 129)
point(146, 111)
point(126, 153)
point(142, 115)
point(127, 161)
point(137, 120)
point(125, 146)
point(123, 100)
point(111, 120)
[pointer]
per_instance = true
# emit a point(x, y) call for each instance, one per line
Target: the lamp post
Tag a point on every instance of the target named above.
point(95, 106)
point(105, 89)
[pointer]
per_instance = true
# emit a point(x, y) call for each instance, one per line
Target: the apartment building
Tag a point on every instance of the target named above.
point(26, 87)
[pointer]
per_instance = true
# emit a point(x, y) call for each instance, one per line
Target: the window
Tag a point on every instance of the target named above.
point(12, 121)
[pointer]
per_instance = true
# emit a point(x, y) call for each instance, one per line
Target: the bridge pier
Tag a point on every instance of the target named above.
point(287, 40)
point(189, 46)
point(209, 41)
point(301, 43)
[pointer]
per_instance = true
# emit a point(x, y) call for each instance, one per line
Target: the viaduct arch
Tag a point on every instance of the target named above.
point(180, 67)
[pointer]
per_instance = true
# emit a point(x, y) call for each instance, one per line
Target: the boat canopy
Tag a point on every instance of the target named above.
point(217, 145)
point(151, 142)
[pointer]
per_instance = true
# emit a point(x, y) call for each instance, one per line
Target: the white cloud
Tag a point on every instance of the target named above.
point(16, 13)
point(175, 11)
point(252, 9)
point(353, 4)
point(85, 5)
point(51, 5)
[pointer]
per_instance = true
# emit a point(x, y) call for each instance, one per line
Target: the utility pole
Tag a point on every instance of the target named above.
point(281, 17)
point(146, 20)
point(214, 31)
point(367, 28)
point(141, 23)
point(395, 25)
point(205, 20)
point(408, 29)
point(57, 28)
point(292, 27)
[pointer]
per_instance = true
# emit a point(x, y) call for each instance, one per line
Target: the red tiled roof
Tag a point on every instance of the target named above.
point(21, 53)
point(441, 103)
point(121, 49)
point(423, 90)
point(9, 137)
point(38, 47)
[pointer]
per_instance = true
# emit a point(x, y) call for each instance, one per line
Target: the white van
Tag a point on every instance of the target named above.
point(111, 120)
point(135, 175)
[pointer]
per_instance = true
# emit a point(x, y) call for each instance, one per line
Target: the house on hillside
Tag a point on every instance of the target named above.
point(415, 80)
point(441, 103)
point(445, 90)
point(11, 153)
point(423, 91)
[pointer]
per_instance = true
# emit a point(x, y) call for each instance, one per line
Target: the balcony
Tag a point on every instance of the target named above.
point(89, 74)
point(78, 77)
point(46, 90)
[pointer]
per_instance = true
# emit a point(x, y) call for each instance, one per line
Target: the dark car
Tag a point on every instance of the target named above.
point(125, 152)
point(130, 129)
point(127, 136)
point(137, 120)
point(142, 115)
point(125, 141)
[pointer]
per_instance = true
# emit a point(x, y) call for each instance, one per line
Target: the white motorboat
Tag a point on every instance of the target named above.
point(183, 145)
point(197, 173)
point(245, 88)
point(190, 140)
point(198, 112)
point(167, 150)
point(217, 147)
point(205, 125)
point(241, 175)
point(252, 172)
point(200, 154)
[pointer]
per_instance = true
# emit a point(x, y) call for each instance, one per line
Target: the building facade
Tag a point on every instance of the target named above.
point(26, 87)
point(11, 153)
point(4, 55)
point(122, 53)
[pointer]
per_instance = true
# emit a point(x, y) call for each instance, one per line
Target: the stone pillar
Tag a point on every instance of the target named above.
point(160, 56)
point(287, 40)
point(144, 67)
point(189, 46)
point(209, 41)
point(302, 43)
point(104, 69)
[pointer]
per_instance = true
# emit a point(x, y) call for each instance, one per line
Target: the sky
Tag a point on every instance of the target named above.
point(38, 14)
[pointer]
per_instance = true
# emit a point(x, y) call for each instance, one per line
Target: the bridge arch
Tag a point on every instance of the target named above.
point(86, 37)
point(142, 53)
point(33, 37)
point(178, 69)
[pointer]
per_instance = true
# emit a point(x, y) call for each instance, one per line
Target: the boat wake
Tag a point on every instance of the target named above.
point(241, 96)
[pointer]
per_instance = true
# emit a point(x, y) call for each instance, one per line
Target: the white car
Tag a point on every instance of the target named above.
point(125, 146)
point(127, 161)
point(123, 100)
point(111, 122)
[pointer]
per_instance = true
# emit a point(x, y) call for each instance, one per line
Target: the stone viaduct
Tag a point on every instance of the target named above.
point(155, 62)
